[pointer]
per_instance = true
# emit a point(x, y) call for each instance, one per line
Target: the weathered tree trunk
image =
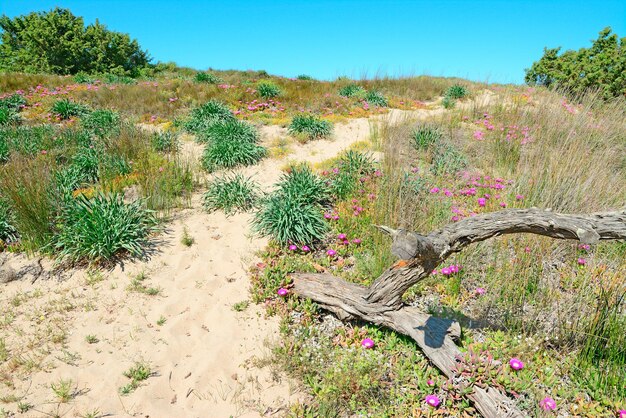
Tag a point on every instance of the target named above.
point(419, 255)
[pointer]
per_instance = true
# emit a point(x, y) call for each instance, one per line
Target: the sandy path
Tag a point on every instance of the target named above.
point(202, 356)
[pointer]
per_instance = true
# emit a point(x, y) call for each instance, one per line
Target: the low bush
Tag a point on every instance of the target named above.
point(165, 142)
point(65, 109)
point(376, 98)
point(456, 91)
point(231, 193)
point(204, 116)
point(102, 228)
point(310, 126)
point(353, 90)
point(300, 182)
point(101, 122)
point(15, 102)
point(230, 144)
point(268, 89)
point(233, 130)
point(425, 136)
point(207, 78)
point(305, 77)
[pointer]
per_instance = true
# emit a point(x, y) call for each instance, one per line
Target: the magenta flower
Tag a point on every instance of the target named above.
point(282, 292)
point(516, 364)
point(430, 382)
point(293, 247)
point(519, 197)
point(621, 413)
point(480, 290)
point(341, 236)
point(482, 201)
point(356, 241)
point(367, 343)
point(479, 135)
point(328, 215)
point(502, 204)
point(335, 217)
point(582, 261)
point(585, 247)
point(433, 400)
point(331, 252)
point(454, 268)
point(434, 190)
point(305, 248)
point(445, 271)
point(548, 404)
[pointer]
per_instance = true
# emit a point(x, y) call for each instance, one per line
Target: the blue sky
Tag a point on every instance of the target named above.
point(481, 40)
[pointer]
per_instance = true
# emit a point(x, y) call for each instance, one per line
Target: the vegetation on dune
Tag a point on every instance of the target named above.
point(602, 66)
point(205, 116)
point(310, 126)
point(31, 43)
point(231, 193)
point(230, 144)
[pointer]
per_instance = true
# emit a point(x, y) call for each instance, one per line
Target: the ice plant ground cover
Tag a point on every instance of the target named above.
point(543, 321)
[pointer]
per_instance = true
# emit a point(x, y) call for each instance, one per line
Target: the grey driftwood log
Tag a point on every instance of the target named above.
point(381, 303)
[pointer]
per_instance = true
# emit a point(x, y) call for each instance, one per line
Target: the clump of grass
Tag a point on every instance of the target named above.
point(14, 102)
point(101, 122)
point(293, 213)
point(102, 228)
point(301, 183)
point(241, 306)
point(448, 102)
point(66, 109)
point(231, 144)
point(139, 372)
point(137, 285)
point(4, 149)
point(376, 98)
point(8, 232)
point(305, 77)
point(447, 159)
point(425, 136)
point(63, 390)
point(456, 91)
point(91, 339)
point(187, 240)
point(165, 142)
point(231, 193)
point(209, 78)
point(353, 90)
point(8, 116)
point(310, 126)
point(352, 166)
point(268, 89)
point(206, 115)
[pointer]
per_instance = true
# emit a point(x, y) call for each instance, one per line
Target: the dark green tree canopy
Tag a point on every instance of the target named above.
point(603, 66)
point(59, 42)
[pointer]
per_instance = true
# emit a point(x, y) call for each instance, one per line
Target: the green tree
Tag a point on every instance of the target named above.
point(59, 42)
point(603, 67)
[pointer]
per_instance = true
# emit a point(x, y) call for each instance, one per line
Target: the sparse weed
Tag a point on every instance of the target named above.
point(91, 339)
point(63, 390)
point(187, 240)
point(139, 372)
point(241, 306)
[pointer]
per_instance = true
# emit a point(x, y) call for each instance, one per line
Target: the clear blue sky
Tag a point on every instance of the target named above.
point(481, 40)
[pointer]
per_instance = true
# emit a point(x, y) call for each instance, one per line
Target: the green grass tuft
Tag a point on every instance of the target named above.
point(310, 126)
point(231, 193)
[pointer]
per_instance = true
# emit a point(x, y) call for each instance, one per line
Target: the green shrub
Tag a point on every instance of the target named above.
point(425, 136)
point(14, 101)
point(101, 122)
point(301, 183)
point(447, 159)
point(288, 219)
point(448, 102)
point(305, 77)
point(118, 79)
point(268, 89)
point(204, 116)
point(207, 78)
point(233, 130)
point(310, 126)
point(165, 142)
point(8, 232)
point(168, 186)
point(4, 150)
point(227, 153)
point(65, 109)
point(83, 78)
point(353, 90)
point(456, 91)
point(231, 193)
point(8, 116)
point(376, 98)
point(28, 140)
point(86, 162)
point(103, 227)
point(352, 166)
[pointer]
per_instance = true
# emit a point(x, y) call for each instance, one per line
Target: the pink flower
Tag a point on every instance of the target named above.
point(306, 249)
point(548, 404)
point(527, 249)
point(335, 217)
point(445, 271)
point(328, 215)
point(433, 401)
point(479, 135)
point(621, 413)
point(434, 190)
point(582, 261)
point(282, 292)
point(480, 290)
point(160, 169)
point(356, 241)
point(481, 202)
point(293, 247)
point(44, 152)
point(516, 364)
point(331, 252)
point(367, 343)
point(341, 236)
point(502, 205)
point(430, 382)
point(519, 197)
